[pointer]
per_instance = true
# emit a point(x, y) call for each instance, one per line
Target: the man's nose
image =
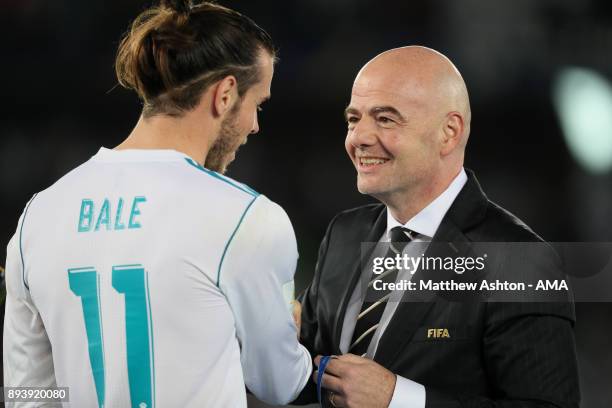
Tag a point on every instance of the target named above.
point(255, 128)
point(362, 134)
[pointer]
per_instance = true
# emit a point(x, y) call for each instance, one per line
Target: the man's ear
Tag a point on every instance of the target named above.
point(225, 95)
point(452, 133)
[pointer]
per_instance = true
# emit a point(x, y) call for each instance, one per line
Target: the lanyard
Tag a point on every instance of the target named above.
point(322, 366)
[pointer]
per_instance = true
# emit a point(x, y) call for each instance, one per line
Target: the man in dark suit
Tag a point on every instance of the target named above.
point(408, 126)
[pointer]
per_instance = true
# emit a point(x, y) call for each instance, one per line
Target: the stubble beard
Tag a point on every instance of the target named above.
point(227, 142)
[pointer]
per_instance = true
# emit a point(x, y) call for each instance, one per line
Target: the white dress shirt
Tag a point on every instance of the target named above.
point(407, 393)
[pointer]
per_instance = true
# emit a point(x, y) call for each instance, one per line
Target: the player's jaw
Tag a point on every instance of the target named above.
point(223, 150)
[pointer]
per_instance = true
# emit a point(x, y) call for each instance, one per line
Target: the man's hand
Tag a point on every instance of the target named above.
point(357, 382)
point(297, 315)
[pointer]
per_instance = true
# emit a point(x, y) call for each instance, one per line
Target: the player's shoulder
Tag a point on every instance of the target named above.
point(201, 176)
point(268, 215)
point(57, 188)
point(258, 207)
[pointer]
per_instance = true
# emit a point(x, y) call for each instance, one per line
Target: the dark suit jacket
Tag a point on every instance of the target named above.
point(510, 354)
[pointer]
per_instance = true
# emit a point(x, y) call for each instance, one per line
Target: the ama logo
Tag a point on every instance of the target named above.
point(552, 285)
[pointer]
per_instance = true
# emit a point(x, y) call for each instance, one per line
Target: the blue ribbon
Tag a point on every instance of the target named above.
point(322, 366)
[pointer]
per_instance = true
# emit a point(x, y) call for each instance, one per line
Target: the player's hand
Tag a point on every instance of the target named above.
point(297, 315)
point(357, 382)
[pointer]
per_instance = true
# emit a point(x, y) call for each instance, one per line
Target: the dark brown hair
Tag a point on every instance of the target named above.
point(175, 51)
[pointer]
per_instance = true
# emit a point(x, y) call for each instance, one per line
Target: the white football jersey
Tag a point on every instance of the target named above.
point(142, 279)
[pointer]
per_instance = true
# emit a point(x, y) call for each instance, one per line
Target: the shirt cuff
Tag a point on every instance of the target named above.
point(407, 394)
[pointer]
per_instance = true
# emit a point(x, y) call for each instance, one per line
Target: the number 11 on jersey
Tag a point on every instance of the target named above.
point(132, 282)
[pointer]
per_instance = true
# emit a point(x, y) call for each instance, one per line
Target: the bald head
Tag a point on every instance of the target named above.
point(422, 74)
point(408, 124)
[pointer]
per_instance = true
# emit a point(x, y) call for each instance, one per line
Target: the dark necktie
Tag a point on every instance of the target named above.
point(375, 300)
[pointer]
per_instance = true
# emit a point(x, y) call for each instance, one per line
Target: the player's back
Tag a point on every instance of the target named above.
point(122, 258)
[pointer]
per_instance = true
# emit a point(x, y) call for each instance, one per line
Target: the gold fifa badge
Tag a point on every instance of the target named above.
point(438, 333)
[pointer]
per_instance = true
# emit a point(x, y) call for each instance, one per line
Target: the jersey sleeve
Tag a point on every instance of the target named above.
point(259, 264)
point(27, 355)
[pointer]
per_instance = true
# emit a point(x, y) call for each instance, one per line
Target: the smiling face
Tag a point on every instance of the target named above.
point(407, 126)
point(392, 137)
point(241, 121)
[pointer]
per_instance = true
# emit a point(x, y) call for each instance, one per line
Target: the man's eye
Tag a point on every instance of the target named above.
point(352, 119)
point(384, 119)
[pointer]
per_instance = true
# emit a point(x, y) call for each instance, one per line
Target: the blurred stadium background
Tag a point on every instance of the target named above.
point(539, 74)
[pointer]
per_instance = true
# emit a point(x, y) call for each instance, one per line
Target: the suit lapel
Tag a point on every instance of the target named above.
point(449, 240)
point(414, 305)
point(372, 234)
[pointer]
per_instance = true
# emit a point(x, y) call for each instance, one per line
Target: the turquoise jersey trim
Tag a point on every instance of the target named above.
point(231, 238)
point(253, 192)
point(216, 175)
point(25, 212)
point(151, 337)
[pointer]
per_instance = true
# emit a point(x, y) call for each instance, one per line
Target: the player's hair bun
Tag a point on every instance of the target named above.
point(180, 6)
point(174, 50)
